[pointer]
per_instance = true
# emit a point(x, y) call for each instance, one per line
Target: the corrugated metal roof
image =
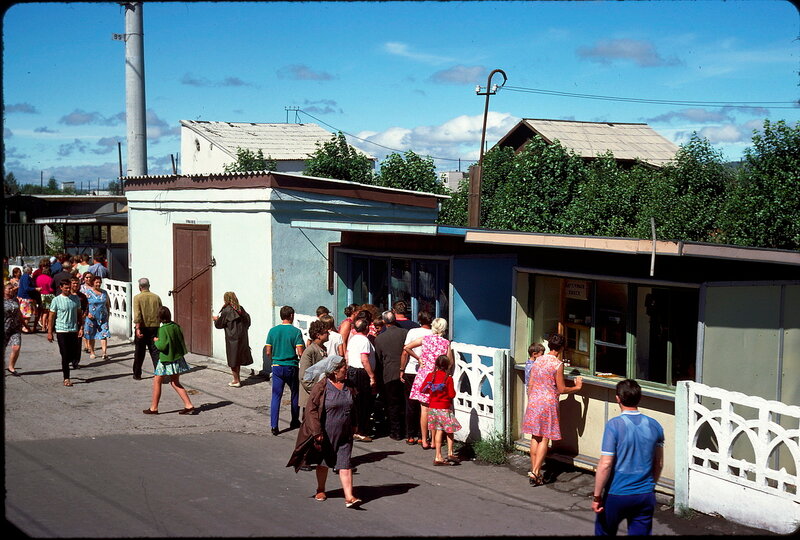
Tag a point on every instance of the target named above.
point(625, 141)
point(278, 141)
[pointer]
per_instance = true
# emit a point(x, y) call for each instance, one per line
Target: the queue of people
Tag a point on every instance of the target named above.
point(372, 367)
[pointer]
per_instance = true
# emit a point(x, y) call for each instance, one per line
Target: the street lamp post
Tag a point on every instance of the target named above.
point(476, 172)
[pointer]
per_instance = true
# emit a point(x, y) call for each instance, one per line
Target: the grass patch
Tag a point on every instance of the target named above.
point(493, 449)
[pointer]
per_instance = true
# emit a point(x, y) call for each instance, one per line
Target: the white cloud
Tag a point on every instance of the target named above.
point(642, 53)
point(402, 49)
point(459, 137)
point(460, 75)
point(724, 133)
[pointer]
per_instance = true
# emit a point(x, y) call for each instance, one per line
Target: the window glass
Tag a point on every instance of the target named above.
point(652, 334)
point(683, 333)
point(359, 267)
point(611, 327)
point(378, 286)
point(426, 286)
point(443, 290)
point(578, 321)
point(401, 280)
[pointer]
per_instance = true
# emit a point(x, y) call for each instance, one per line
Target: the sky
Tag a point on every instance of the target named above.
point(399, 74)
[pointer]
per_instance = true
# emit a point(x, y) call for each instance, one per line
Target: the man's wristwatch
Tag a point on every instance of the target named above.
point(597, 498)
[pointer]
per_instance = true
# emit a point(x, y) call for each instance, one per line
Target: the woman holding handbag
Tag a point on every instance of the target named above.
point(326, 435)
point(236, 321)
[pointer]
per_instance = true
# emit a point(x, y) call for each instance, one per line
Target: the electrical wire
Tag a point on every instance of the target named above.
point(746, 104)
point(378, 144)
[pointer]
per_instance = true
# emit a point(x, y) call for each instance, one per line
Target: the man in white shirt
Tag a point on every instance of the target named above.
point(408, 372)
point(361, 372)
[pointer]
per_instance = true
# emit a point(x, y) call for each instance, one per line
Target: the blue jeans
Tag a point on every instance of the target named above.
point(637, 509)
point(282, 376)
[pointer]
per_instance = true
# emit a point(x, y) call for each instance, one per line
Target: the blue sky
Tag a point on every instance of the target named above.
point(401, 74)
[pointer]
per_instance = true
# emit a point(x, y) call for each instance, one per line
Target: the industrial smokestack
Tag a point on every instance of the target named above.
point(134, 89)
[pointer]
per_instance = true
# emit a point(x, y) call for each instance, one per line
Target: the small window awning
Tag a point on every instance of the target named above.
point(634, 246)
point(430, 229)
point(115, 218)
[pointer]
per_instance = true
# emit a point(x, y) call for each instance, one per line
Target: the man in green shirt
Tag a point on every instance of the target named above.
point(67, 321)
point(283, 351)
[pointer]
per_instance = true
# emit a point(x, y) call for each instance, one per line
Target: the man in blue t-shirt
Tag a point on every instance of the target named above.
point(283, 351)
point(631, 457)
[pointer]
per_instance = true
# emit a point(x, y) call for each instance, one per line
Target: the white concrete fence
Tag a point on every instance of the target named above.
point(481, 397)
point(728, 450)
point(120, 318)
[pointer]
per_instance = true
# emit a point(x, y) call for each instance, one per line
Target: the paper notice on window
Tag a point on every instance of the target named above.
point(576, 289)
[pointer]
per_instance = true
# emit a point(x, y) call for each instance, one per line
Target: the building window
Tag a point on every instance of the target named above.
point(421, 283)
point(619, 329)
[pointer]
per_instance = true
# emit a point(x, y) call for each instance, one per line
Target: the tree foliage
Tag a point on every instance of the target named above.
point(409, 171)
point(545, 188)
point(247, 161)
point(337, 159)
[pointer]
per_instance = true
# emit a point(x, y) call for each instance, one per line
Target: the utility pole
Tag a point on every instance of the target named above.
point(476, 172)
point(134, 88)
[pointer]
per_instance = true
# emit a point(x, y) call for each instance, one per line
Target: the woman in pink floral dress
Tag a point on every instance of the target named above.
point(433, 346)
point(545, 384)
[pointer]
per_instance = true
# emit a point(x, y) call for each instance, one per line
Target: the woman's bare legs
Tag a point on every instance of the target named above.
point(322, 476)
point(104, 346)
point(423, 424)
point(156, 392)
point(176, 384)
point(346, 476)
point(91, 348)
point(12, 357)
point(236, 377)
point(450, 439)
point(538, 453)
point(437, 444)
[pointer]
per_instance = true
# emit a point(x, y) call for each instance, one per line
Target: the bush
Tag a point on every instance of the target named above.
point(493, 449)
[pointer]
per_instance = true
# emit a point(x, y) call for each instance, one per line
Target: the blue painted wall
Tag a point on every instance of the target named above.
point(482, 300)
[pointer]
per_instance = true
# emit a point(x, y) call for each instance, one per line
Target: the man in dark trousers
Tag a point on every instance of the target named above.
point(145, 317)
point(631, 458)
point(388, 350)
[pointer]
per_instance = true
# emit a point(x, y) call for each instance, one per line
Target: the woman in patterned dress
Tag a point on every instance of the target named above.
point(433, 346)
point(12, 322)
point(96, 325)
point(545, 384)
point(25, 297)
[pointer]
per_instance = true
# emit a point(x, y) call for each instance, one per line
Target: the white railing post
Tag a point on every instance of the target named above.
point(120, 315)
point(681, 447)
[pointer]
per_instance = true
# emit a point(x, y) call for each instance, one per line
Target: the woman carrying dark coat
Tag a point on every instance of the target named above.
point(326, 435)
point(236, 321)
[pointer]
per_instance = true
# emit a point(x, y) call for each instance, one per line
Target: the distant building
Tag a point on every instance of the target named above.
point(206, 147)
point(628, 142)
point(451, 179)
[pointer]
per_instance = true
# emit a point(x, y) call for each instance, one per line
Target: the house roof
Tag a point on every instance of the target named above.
point(278, 141)
point(110, 218)
point(589, 139)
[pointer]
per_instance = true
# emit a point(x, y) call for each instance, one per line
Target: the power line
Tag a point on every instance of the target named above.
point(377, 144)
point(746, 104)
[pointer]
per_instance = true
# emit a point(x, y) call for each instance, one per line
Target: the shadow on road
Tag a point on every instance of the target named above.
point(211, 406)
point(373, 493)
point(106, 377)
point(372, 457)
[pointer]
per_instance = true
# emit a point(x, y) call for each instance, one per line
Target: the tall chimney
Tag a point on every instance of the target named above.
point(134, 90)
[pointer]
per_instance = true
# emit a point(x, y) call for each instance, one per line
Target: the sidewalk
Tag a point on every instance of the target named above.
point(105, 402)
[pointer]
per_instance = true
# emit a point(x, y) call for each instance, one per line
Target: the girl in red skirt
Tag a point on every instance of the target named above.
point(441, 417)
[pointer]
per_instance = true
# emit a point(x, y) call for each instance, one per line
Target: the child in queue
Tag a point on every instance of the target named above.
point(441, 417)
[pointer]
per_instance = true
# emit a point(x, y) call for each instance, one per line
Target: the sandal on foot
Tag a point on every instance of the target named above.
point(190, 410)
point(455, 458)
point(535, 479)
point(67, 382)
point(450, 460)
point(149, 411)
point(443, 462)
point(351, 503)
point(320, 496)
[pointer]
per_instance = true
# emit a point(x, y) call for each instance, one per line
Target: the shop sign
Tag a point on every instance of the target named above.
point(577, 289)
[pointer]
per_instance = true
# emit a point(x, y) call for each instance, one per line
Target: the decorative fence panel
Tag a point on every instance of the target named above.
point(480, 390)
point(737, 456)
point(120, 322)
point(302, 321)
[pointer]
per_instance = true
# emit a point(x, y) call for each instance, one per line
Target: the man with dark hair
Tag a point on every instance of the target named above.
point(283, 351)
point(67, 322)
point(399, 309)
point(631, 457)
point(98, 269)
point(64, 271)
point(388, 350)
point(408, 373)
point(145, 318)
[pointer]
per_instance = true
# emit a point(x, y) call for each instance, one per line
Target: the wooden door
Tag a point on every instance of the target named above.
point(192, 285)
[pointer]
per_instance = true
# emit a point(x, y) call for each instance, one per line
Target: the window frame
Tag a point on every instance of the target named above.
point(443, 272)
point(633, 285)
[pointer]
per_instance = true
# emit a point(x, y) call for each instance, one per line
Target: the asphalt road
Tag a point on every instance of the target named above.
point(85, 462)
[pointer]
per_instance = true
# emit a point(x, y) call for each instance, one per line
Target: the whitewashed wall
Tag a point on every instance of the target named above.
point(240, 244)
point(711, 426)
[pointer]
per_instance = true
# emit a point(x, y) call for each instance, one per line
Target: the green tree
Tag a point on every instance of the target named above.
point(540, 185)
point(497, 164)
point(607, 200)
point(52, 186)
point(337, 159)
point(763, 207)
point(409, 171)
point(115, 187)
point(455, 210)
point(10, 184)
point(248, 161)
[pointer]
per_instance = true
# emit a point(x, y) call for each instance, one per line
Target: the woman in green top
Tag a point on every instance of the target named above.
point(171, 362)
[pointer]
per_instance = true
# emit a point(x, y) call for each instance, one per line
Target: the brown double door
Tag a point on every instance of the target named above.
point(192, 285)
